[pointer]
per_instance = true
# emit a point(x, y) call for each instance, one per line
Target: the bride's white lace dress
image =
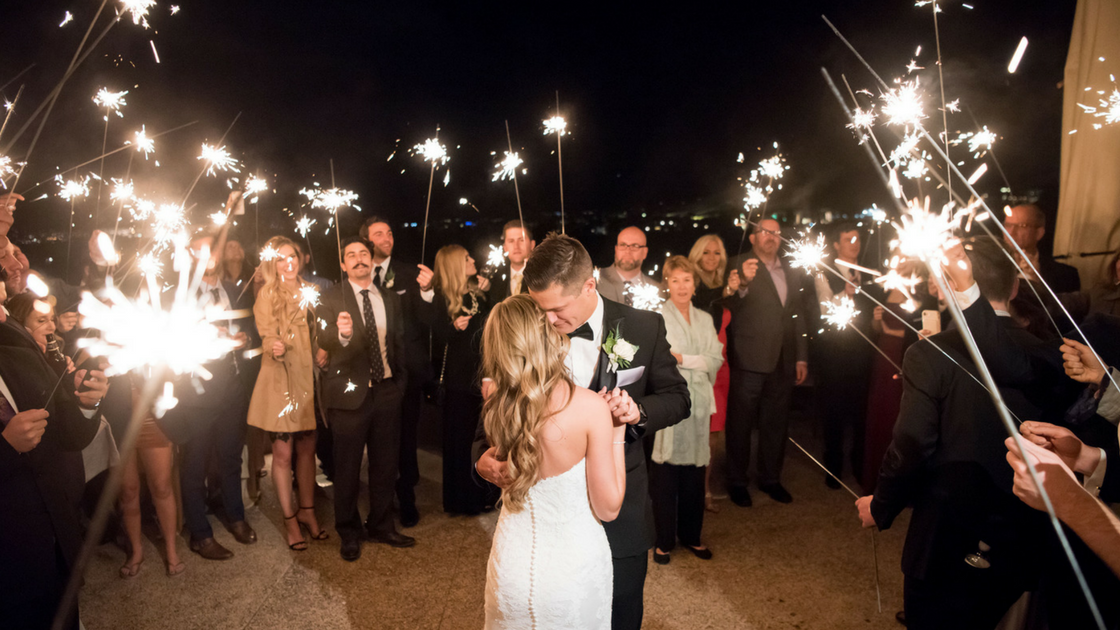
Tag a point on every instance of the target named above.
point(550, 565)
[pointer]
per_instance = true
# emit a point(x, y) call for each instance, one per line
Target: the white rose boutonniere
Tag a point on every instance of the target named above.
point(619, 351)
point(390, 277)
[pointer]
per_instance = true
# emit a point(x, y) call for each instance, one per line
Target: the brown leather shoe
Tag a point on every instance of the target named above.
point(393, 539)
point(210, 549)
point(243, 533)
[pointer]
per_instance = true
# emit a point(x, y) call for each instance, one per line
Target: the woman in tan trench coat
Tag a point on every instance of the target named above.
point(283, 401)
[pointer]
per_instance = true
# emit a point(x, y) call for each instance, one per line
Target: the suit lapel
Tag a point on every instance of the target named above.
point(612, 321)
point(350, 303)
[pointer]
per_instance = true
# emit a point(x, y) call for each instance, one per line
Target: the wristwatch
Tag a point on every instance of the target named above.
point(642, 415)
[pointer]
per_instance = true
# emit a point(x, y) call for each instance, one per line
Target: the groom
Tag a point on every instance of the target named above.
point(645, 391)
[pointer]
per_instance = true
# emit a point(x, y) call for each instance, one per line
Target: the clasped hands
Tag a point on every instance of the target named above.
point(623, 411)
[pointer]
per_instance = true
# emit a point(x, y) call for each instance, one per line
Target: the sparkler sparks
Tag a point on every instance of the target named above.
point(862, 119)
point(646, 297)
point(496, 257)
point(303, 225)
point(254, 186)
point(979, 142)
point(507, 168)
point(954, 106)
point(6, 169)
point(73, 189)
point(330, 199)
point(926, 235)
point(903, 105)
point(150, 265)
point(219, 218)
point(1107, 107)
point(269, 253)
point(308, 296)
point(168, 221)
point(66, 19)
point(840, 311)
point(556, 125)
point(143, 143)
point(432, 151)
point(141, 209)
point(757, 193)
point(111, 101)
point(350, 386)
point(139, 10)
point(218, 158)
point(122, 190)
point(807, 253)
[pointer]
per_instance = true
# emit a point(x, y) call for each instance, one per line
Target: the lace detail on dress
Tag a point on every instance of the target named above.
point(550, 564)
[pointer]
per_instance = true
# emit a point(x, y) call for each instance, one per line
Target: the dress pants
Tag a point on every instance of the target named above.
point(843, 378)
point(629, 588)
point(222, 440)
point(757, 401)
point(375, 425)
point(461, 494)
point(975, 602)
point(678, 503)
point(409, 474)
point(31, 588)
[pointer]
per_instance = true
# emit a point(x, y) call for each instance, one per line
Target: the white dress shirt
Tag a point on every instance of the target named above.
point(378, 305)
point(583, 357)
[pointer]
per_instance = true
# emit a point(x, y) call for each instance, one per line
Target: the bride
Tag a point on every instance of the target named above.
point(550, 565)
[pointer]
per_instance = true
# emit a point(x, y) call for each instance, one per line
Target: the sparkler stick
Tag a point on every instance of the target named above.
point(513, 171)
point(11, 108)
point(433, 152)
point(559, 127)
point(18, 75)
point(941, 84)
point(966, 335)
point(337, 233)
point(874, 546)
point(209, 165)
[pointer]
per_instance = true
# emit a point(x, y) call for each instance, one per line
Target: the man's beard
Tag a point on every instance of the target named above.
point(627, 265)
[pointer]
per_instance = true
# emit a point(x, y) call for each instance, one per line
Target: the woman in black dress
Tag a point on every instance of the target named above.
point(460, 315)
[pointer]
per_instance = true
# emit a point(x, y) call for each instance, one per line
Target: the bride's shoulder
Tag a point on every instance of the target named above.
point(585, 403)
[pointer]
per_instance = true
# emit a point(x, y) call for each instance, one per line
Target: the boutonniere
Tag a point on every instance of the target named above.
point(389, 278)
point(619, 351)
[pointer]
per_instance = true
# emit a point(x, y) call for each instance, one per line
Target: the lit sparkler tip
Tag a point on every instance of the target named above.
point(646, 297)
point(330, 199)
point(66, 19)
point(863, 118)
point(73, 189)
point(6, 169)
point(219, 218)
point(269, 253)
point(143, 143)
point(496, 257)
point(218, 158)
point(112, 101)
point(139, 10)
point(303, 225)
point(150, 265)
point(954, 106)
point(308, 296)
point(507, 168)
point(840, 311)
point(556, 125)
point(903, 105)
point(807, 252)
point(432, 151)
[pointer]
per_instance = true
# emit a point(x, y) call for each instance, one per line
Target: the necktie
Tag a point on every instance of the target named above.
point(6, 412)
point(373, 346)
point(377, 277)
point(515, 283)
point(583, 332)
point(217, 297)
point(627, 297)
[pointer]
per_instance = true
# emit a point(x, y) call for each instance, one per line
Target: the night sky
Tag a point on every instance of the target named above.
point(659, 103)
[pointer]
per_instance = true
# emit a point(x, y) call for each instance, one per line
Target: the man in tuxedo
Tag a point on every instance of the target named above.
point(41, 479)
point(518, 243)
point(362, 390)
point(769, 353)
point(413, 283)
point(970, 549)
point(841, 357)
point(646, 392)
point(1027, 225)
point(629, 253)
point(208, 424)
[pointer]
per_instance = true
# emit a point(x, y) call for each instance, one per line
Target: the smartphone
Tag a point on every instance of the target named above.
point(931, 321)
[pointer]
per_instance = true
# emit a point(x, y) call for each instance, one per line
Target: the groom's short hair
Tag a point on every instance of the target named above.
point(560, 259)
point(994, 272)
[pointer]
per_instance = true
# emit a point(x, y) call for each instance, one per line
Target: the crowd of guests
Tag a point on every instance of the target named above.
point(323, 387)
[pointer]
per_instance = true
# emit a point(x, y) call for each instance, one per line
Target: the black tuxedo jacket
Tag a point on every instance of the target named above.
point(1061, 277)
point(663, 394)
point(499, 285)
point(40, 490)
point(417, 315)
point(762, 330)
point(948, 460)
point(345, 382)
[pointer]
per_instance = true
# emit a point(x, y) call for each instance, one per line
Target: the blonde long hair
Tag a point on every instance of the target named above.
point(524, 357)
point(715, 280)
point(450, 277)
point(273, 285)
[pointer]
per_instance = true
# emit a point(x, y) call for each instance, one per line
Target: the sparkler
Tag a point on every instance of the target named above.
point(168, 220)
point(269, 253)
point(979, 142)
point(218, 158)
point(219, 218)
point(1017, 57)
point(436, 154)
point(6, 169)
point(494, 261)
point(507, 168)
point(111, 101)
point(303, 225)
point(1107, 107)
point(646, 297)
point(139, 10)
point(143, 143)
point(150, 266)
point(757, 193)
point(332, 200)
point(807, 253)
point(903, 105)
point(66, 19)
point(840, 311)
point(36, 285)
point(557, 125)
point(308, 296)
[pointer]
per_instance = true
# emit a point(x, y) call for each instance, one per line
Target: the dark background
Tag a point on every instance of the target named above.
point(659, 103)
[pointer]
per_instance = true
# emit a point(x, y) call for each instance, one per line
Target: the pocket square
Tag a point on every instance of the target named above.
point(401, 292)
point(631, 376)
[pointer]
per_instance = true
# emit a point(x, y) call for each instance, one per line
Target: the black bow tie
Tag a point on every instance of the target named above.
point(583, 331)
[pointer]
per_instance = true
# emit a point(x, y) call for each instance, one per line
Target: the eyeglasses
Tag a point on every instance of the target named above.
point(630, 246)
point(770, 232)
point(1021, 226)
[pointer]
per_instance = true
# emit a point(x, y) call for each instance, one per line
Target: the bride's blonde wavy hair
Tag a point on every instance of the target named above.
point(524, 357)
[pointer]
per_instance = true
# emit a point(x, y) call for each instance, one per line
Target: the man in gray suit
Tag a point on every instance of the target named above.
point(629, 252)
point(768, 350)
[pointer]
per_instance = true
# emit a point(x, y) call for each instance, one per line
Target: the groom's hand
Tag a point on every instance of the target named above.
point(492, 470)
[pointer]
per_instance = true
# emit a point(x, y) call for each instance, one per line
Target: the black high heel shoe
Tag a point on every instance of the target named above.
point(322, 535)
point(299, 545)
